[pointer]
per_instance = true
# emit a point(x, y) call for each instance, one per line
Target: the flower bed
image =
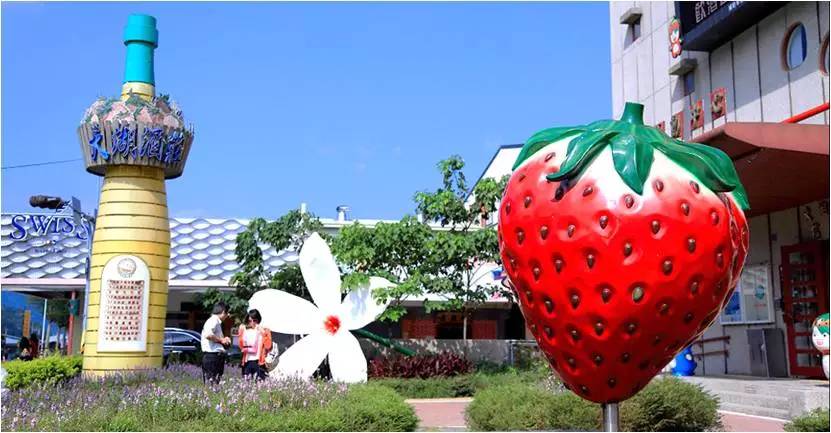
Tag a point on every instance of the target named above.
point(175, 399)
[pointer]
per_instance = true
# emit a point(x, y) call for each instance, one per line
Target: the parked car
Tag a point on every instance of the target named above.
point(185, 345)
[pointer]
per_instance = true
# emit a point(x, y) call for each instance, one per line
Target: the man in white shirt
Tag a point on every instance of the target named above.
point(213, 344)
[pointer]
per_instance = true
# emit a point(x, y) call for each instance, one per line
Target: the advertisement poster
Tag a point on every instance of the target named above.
point(755, 285)
point(696, 115)
point(677, 125)
point(733, 310)
point(125, 297)
point(718, 102)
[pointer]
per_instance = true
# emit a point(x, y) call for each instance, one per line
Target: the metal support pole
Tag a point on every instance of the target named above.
point(611, 417)
point(41, 343)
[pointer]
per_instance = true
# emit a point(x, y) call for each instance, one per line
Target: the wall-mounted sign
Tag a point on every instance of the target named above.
point(675, 37)
point(125, 298)
point(676, 125)
point(696, 115)
point(135, 144)
point(718, 102)
point(693, 13)
point(706, 25)
point(25, 225)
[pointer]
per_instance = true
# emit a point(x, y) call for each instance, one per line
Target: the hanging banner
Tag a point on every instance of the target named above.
point(27, 323)
point(125, 297)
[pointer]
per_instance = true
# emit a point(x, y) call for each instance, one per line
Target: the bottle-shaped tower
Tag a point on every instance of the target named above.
point(136, 142)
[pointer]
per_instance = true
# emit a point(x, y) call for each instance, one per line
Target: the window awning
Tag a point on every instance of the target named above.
point(780, 165)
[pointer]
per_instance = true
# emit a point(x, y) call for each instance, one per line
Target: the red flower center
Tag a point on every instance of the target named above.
point(332, 324)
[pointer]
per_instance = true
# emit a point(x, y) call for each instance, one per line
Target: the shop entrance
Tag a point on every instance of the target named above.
point(804, 297)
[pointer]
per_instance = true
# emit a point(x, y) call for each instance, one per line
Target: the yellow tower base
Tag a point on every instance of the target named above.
point(132, 220)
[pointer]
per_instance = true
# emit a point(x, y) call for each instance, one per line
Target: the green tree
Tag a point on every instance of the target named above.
point(456, 257)
point(447, 262)
point(395, 251)
point(286, 233)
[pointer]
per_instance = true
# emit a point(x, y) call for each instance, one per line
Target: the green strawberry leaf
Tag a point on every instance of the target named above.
point(542, 139)
point(582, 151)
point(633, 159)
point(633, 145)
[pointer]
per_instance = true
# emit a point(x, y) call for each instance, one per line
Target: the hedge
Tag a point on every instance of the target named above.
point(666, 404)
point(51, 369)
point(815, 420)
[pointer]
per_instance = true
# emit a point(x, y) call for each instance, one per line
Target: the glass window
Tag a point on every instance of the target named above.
point(797, 46)
point(752, 301)
point(689, 83)
point(181, 339)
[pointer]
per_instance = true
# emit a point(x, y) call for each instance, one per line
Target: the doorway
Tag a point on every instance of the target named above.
point(804, 297)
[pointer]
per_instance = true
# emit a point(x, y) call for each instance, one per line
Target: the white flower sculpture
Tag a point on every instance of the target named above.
point(327, 324)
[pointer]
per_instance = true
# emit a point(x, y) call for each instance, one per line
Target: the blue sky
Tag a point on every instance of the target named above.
point(304, 102)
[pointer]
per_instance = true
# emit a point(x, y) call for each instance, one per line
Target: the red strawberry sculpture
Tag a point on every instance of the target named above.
point(623, 245)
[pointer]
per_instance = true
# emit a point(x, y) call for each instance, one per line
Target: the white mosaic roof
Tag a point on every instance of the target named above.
point(201, 248)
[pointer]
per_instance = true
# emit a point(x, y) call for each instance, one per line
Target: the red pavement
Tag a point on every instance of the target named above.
point(448, 414)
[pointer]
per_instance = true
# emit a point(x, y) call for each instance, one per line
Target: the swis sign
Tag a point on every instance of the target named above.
point(28, 225)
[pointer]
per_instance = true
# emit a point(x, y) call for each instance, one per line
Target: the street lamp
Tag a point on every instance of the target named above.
point(59, 204)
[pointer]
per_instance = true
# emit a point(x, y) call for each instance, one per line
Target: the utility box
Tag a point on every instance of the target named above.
point(767, 352)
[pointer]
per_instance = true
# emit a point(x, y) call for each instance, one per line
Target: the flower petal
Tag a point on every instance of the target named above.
point(285, 313)
point(303, 357)
point(320, 273)
point(359, 308)
point(346, 359)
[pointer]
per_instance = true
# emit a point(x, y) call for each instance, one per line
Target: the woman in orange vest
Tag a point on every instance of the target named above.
point(255, 343)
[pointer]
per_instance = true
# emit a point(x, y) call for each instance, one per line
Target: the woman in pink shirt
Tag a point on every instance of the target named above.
point(255, 343)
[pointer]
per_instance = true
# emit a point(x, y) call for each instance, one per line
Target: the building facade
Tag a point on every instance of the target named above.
point(751, 79)
point(43, 255)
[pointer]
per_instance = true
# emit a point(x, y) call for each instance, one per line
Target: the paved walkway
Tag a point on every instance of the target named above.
point(448, 414)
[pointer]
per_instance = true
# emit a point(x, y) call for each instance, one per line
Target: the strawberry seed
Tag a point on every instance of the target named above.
point(587, 191)
point(656, 227)
point(691, 245)
point(527, 201)
point(570, 230)
point(625, 357)
point(695, 186)
point(659, 186)
point(575, 300)
point(627, 249)
point(637, 294)
point(590, 260)
point(628, 200)
point(549, 156)
point(667, 267)
point(598, 328)
point(685, 208)
point(549, 306)
point(606, 294)
point(543, 232)
point(611, 382)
